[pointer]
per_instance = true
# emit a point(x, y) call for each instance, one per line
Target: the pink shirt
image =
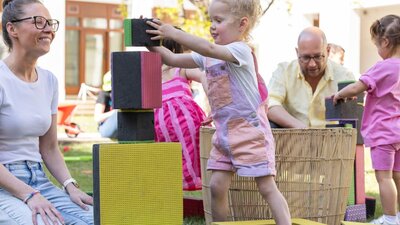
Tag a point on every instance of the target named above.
point(381, 119)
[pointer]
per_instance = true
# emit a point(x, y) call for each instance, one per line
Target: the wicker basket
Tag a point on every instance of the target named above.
point(314, 171)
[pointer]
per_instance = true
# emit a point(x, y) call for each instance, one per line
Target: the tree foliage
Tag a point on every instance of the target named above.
point(196, 22)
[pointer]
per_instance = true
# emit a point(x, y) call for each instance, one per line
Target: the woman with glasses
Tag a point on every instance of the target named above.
point(28, 126)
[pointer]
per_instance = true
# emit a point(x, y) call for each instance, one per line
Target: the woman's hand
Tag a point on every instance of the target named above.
point(79, 197)
point(39, 205)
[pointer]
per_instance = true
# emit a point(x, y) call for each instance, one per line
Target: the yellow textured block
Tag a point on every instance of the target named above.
point(295, 221)
point(137, 184)
point(352, 223)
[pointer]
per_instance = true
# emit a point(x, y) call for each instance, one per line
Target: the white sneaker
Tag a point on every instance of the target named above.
point(381, 221)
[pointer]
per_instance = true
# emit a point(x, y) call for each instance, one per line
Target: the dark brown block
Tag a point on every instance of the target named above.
point(135, 125)
point(136, 80)
point(135, 33)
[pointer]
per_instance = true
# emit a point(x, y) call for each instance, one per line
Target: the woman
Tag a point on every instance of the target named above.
point(28, 126)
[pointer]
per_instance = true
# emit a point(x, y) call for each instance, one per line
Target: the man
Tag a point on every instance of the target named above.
point(336, 53)
point(297, 90)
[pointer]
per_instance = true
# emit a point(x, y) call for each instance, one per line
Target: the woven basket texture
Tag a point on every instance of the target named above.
point(314, 171)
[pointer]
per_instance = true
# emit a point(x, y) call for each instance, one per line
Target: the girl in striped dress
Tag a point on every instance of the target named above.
point(179, 118)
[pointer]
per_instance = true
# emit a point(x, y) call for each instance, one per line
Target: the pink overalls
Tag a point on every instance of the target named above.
point(243, 142)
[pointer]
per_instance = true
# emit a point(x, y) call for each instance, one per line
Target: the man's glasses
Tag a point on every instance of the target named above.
point(307, 58)
point(41, 22)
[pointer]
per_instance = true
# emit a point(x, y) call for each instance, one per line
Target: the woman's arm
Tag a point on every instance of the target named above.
point(55, 163)
point(13, 185)
point(36, 202)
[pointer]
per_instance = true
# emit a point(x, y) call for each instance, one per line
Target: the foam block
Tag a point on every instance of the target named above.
point(351, 109)
point(136, 80)
point(359, 169)
point(193, 207)
point(268, 222)
point(135, 125)
point(357, 110)
point(342, 110)
point(370, 203)
point(342, 84)
point(360, 111)
point(351, 199)
point(135, 33)
point(137, 184)
point(356, 213)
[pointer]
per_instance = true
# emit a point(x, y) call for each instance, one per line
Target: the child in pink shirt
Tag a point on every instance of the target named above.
point(381, 119)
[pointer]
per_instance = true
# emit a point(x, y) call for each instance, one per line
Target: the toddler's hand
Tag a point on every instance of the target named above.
point(162, 30)
point(336, 97)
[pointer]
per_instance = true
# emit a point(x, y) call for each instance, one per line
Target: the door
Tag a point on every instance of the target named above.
point(93, 30)
point(94, 57)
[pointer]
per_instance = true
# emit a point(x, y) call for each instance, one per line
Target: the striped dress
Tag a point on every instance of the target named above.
point(178, 120)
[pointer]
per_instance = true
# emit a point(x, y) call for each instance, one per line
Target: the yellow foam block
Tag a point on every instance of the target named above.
point(295, 221)
point(351, 223)
point(137, 183)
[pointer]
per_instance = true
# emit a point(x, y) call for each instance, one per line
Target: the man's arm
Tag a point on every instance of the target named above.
point(277, 89)
point(280, 116)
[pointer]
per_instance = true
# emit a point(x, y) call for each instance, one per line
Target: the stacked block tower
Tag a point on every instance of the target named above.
point(345, 114)
point(137, 181)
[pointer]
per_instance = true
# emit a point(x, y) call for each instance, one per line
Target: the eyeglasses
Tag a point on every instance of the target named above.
point(41, 22)
point(307, 58)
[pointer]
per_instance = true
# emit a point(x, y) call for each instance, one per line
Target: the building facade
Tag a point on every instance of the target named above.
point(90, 30)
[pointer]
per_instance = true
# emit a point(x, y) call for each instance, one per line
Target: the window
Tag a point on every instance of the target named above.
point(93, 31)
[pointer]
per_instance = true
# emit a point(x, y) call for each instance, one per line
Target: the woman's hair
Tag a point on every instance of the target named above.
point(12, 9)
point(387, 27)
point(172, 45)
point(245, 8)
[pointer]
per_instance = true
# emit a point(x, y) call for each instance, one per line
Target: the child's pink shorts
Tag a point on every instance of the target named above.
point(386, 157)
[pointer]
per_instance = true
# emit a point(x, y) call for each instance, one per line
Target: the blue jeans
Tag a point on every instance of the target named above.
point(109, 127)
point(15, 211)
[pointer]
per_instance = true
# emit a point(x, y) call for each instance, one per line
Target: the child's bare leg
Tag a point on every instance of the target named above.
point(275, 199)
point(387, 191)
point(219, 186)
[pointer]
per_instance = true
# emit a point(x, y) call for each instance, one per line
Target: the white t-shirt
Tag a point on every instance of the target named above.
point(244, 71)
point(25, 114)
